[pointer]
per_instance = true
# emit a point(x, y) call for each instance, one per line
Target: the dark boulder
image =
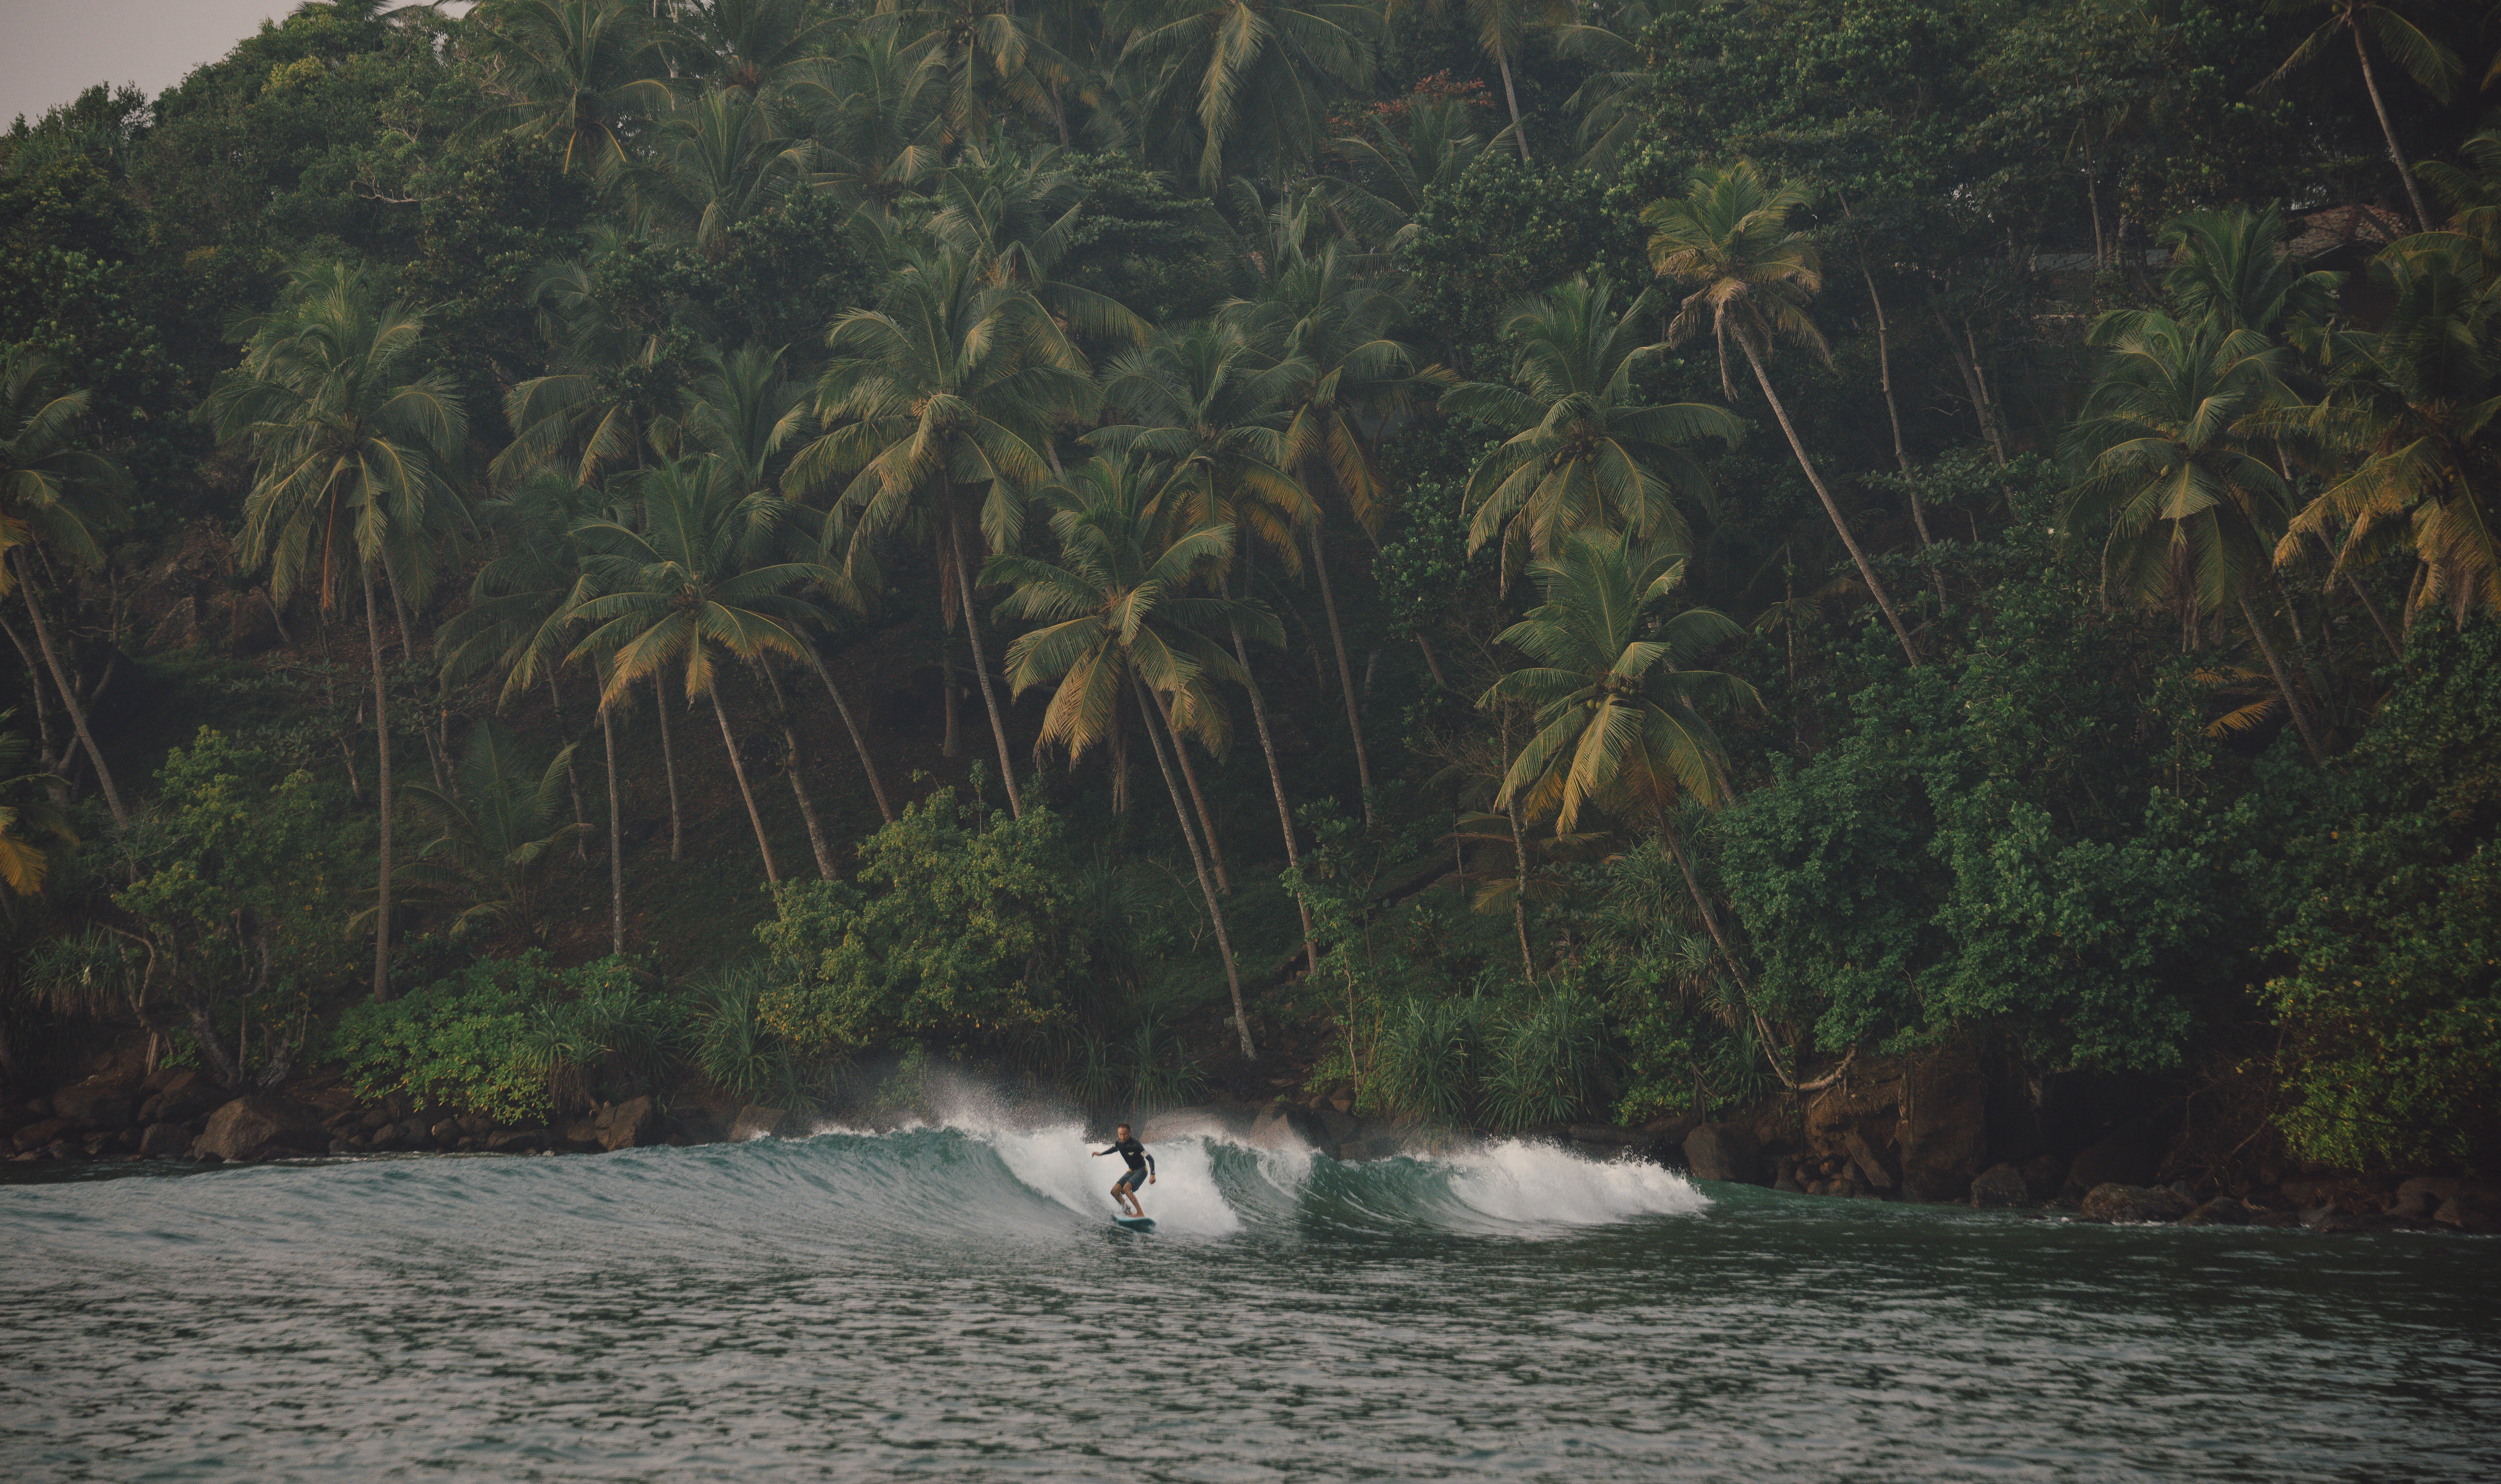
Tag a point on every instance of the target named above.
point(629, 1124)
point(261, 1127)
point(2111, 1202)
point(518, 1141)
point(2473, 1208)
point(1871, 1167)
point(445, 1132)
point(2000, 1186)
point(1721, 1152)
point(43, 1131)
point(94, 1106)
point(2222, 1211)
point(183, 1095)
point(2045, 1173)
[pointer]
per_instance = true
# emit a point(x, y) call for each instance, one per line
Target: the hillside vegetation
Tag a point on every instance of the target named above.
point(1512, 563)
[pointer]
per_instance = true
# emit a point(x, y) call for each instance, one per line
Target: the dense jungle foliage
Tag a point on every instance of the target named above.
point(1530, 561)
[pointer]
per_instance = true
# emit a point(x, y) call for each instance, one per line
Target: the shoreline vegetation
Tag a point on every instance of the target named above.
point(1896, 601)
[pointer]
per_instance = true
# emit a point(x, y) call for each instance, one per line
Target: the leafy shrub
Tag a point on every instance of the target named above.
point(956, 924)
point(733, 1049)
point(1547, 1058)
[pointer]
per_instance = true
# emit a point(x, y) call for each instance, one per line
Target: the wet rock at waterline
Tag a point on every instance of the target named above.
point(93, 1105)
point(2000, 1186)
point(1721, 1152)
point(755, 1121)
point(2132, 1203)
point(261, 1127)
point(629, 1124)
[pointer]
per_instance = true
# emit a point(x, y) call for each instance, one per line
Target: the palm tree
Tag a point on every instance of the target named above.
point(757, 45)
point(579, 73)
point(879, 126)
point(744, 409)
point(1397, 162)
point(56, 492)
point(2167, 446)
point(1584, 452)
point(1729, 236)
point(495, 834)
point(2392, 23)
point(2232, 268)
point(26, 816)
point(521, 607)
point(1016, 219)
point(1209, 409)
point(721, 157)
point(938, 406)
point(986, 54)
point(1502, 29)
point(703, 579)
point(1614, 99)
point(1615, 695)
point(1348, 375)
point(1226, 81)
point(609, 379)
point(2413, 409)
point(351, 435)
point(1120, 620)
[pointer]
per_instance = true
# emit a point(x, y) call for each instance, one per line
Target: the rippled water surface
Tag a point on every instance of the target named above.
point(951, 1304)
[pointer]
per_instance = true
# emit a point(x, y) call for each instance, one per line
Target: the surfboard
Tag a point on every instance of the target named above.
point(1134, 1222)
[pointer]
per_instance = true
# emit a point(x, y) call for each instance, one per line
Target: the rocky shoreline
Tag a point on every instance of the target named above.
point(1890, 1137)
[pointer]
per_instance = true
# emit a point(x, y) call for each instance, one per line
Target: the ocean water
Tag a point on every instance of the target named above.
point(954, 1303)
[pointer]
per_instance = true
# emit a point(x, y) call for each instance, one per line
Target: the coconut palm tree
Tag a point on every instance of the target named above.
point(1122, 622)
point(986, 55)
point(746, 410)
point(27, 815)
point(880, 125)
point(1208, 409)
point(1729, 237)
point(1333, 327)
point(581, 74)
point(1615, 695)
point(1232, 82)
point(58, 492)
point(2412, 413)
point(1501, 29)
point(2403, 31)
point(352, 438)
point(1016, 219)
point(495, 835)
point(757, 45)
point(1584, 451)
point(704, 579)
point(609, 380)
point(2168, 448)
point(1397, 161)
point(719, 158)
point(938, 407)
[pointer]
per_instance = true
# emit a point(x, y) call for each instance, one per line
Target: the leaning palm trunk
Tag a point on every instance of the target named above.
point(1206, 816)
point(859, 743)
point(615, 841)
point(669, 766)
point(798, 780)
point(2397, 155)
point(1277, 785)
point(2283, 682)
point(383, 788)
point(982, 671)
point(572, 779)
point(69, 693)
point(1344, 674)
point(755, 816)
point(1511, 97)
point(1866, 572)
point(1206, 886)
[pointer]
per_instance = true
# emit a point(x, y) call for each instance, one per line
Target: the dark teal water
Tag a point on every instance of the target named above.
point(952, 1305)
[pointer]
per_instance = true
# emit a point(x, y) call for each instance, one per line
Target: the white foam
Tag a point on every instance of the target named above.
point(1058, 1162)
point(1516, 1182)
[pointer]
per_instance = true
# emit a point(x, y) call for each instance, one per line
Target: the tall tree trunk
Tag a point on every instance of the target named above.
point(2283, 682)
point(669, 766)
point(382, 787)
point(68, 692)
point(1277, 786)
point(981, 672)
point(1974, 387)
point(1874, 585)
point(1198, 800)
point(859, 743)
point(1206, 886)
point(1518, 130)
point(1893, 414)
point(798, 784)
point(54, 756)
point(615, 841)
point(1344, 673)
point(1520, 867)
point(755, 816)
point(572, 779)
point(2397, 155)
point(952, 740)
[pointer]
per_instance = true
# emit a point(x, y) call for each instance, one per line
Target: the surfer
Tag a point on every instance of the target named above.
point(1141, 1164)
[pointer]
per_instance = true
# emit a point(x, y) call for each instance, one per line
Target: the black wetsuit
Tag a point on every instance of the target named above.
point(1141, 1162)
